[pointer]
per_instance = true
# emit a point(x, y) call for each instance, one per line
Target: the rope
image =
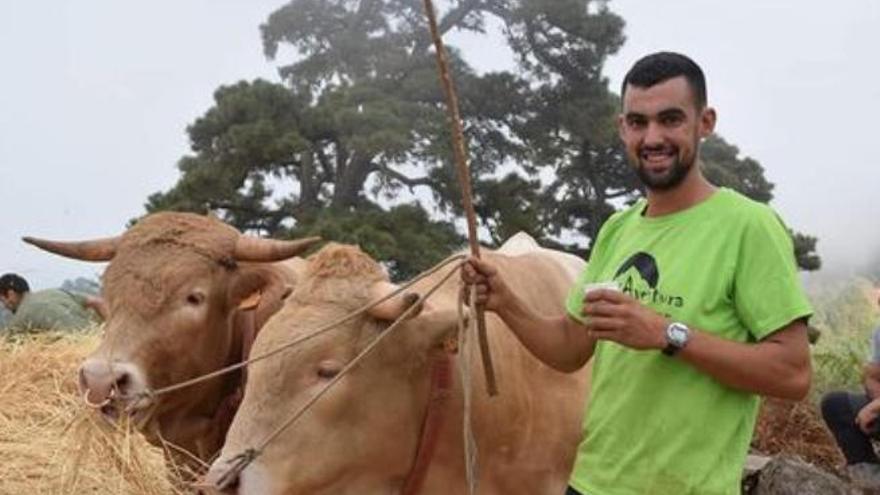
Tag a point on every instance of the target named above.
point(477, 324)
point(150, 394)
point(240, 461)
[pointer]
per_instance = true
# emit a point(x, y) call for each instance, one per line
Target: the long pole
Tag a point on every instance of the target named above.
point(464, 180)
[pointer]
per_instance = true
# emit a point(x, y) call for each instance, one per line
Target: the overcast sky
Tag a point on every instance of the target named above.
point(96, 94)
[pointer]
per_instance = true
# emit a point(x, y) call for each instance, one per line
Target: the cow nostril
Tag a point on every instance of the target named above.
point(123, 383)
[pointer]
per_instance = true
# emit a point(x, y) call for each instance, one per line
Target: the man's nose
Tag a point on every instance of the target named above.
point(653, 134)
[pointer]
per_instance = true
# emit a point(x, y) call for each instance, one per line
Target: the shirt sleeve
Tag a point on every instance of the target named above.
point(20, 323)
point(767, 290)
point(574, 301)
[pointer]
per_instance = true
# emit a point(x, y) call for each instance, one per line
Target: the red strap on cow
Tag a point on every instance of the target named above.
point(435, 416)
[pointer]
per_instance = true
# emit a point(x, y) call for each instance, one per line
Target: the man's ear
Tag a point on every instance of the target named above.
point(621, 127)
point(708, 119)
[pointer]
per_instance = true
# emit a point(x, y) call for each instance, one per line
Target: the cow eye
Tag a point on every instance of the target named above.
point(328, 369)
point(195, 298)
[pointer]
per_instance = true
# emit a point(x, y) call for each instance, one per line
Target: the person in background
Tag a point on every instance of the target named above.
point(49, 309)
point(853, 419)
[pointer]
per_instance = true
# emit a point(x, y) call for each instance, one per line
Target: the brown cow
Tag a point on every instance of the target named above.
point(362, 437)
point(173, 289)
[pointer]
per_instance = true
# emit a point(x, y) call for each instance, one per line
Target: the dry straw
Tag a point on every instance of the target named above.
point(50, 443)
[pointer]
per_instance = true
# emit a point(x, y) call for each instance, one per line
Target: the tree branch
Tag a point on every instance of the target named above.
point(449, 21)
point(410, 182)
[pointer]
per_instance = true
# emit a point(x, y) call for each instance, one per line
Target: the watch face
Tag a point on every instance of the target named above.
point(678, 334)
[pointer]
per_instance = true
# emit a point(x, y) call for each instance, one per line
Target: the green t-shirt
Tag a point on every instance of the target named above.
point(655, 425)
point(51, 309)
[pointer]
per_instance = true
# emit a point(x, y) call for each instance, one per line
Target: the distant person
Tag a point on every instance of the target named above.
point(853, 419)
point(49, 309)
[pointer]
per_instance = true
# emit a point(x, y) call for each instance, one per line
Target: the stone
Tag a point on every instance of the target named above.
point(791, 476)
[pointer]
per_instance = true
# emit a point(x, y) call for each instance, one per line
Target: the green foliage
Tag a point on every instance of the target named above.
point(846, 314)
point(360, 119)
point(724, 167)
point(397, 237)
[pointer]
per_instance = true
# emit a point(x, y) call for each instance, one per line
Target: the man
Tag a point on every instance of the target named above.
point(852, 418)
point(710, 312)
point(50, 309)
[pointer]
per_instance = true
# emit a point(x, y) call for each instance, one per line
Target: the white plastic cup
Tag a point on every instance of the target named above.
point(585, 289)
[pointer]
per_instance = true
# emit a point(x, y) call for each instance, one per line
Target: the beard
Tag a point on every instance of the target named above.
point(670, 178)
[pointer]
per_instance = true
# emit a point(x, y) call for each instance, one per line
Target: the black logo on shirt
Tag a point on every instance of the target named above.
point(639, 277)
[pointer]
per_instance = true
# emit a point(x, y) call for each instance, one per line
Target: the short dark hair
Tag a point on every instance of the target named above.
point(662, 66)
point(14, 282)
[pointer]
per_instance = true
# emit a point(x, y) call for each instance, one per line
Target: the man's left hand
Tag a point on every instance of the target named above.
point(615, 316)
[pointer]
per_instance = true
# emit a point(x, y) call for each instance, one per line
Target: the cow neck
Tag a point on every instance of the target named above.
point(435, 417)
point(245, 325)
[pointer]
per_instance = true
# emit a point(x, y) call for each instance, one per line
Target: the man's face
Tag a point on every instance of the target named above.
point(661, 128)
point(10, 299)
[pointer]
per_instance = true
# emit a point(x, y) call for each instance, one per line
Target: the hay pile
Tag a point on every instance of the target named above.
point(50, 443)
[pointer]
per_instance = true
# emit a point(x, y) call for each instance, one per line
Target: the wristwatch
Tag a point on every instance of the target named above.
point(677, 336)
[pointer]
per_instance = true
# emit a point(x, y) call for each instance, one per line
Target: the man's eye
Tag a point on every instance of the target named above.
point(671, 120)
point(636, 123)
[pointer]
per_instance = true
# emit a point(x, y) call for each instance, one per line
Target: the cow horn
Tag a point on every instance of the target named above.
point(249, 248)
point(93, 250)
point(391, 309)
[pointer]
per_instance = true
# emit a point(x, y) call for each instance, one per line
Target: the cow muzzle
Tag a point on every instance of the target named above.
point(252, 480)
point(115, 388)
point(219, 482)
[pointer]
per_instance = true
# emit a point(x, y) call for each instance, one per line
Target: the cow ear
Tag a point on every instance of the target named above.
point(393, 308)
point(261, 289)
point(435, 326)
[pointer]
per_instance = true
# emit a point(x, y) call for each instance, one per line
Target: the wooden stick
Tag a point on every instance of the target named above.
point(464, 181)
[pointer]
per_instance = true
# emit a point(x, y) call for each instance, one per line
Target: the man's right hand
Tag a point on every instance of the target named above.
point(492, 292)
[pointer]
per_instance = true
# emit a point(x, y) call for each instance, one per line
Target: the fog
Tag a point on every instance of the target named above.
point(96, 95)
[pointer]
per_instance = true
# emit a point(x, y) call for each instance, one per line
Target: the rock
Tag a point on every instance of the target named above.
point(790, 476)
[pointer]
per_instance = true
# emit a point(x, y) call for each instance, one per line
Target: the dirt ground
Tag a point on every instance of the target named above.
point(796, 428)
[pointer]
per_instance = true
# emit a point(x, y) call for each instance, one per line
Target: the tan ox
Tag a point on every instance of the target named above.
point(173, 288)
point(362, 437)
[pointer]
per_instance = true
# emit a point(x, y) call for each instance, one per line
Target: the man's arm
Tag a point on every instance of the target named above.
point(778, 366)
point(558, 341)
